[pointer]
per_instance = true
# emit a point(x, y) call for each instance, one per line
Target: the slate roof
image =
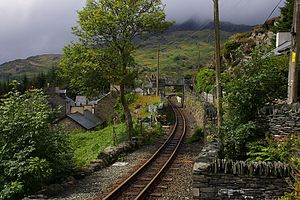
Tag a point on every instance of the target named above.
point(87, 121)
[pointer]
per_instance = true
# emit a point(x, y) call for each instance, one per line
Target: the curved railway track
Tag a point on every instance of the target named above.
point(140, 184)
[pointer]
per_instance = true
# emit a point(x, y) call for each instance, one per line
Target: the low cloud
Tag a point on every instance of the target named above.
point(31, 27)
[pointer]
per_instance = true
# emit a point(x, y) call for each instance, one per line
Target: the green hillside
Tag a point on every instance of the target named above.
point(181, 52)
point(29, 66)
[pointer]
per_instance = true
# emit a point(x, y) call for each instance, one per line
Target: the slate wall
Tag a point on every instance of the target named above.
point(215, 179)
point(281, 119)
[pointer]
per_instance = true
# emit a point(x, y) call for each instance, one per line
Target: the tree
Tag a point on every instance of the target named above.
point(106, 30)
point(260, 81)
point(33, 151)
point(286, 18)
point(205, 80)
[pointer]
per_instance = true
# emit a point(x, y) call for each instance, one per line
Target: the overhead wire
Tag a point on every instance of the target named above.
point(277, 5)
point(199, 29)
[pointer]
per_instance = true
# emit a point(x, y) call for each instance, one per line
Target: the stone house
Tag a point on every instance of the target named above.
point(104, 107)
point(79, 121)
point(81, 114)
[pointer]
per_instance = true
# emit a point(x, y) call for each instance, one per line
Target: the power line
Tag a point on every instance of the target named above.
point(273, 10)
point(199, 29)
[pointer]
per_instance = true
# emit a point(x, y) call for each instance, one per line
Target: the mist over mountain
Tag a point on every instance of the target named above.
point(194, 24)
point(189, 32)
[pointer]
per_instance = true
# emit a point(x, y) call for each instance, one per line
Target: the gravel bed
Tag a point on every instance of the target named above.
point(181, 170)
point(93, 186)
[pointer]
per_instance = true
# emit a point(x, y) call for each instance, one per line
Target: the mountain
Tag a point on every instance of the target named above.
point(29, 66)
point(194, 24)
point(184, 48)
point(181, 52)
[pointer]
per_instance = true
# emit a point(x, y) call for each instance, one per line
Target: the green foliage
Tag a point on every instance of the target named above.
point(87, 145)
point(149, 134)
point(288, 196)
point(33, 151)
point(230, 46)
point(197, 136)
point(31, 67)
point(286, 18)
point(270, 150)
point(260, 81)
point(83, 68)
point(205, 80)
point(236, 138)
point(192, 49)
point(106, 30)
point(119, 110)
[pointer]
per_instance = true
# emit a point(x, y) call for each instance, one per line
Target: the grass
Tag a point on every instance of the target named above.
point(181, 58)
point(181, 54)
point(140, 107)
point(87, 145)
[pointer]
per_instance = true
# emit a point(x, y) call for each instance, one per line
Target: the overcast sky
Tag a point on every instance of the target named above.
point(32, 27)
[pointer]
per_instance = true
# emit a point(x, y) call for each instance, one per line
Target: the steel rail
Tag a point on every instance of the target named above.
point(131, 179)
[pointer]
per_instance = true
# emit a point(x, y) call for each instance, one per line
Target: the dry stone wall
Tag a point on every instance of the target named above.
point(195, 108)
point(281, 119)
point(216, 179)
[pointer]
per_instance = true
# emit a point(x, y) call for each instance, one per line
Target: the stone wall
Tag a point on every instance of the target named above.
point(105, 107)
point(69, 125)
point(215, 179)
point(281, 119)
point(202, 111)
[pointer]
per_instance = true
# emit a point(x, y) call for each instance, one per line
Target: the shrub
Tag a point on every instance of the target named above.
point(197, 136)
point(270, 150)
point(205, 80)
point(236, 138)
point(33, 151)
point(260, 81)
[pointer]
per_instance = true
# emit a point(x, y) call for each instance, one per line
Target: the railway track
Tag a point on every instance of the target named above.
point(140, 184)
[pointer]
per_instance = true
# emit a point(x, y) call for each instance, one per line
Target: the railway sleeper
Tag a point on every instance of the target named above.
point(162, 187)
point(131, 193)
point(156, 194)
point(139, 186)
point(167, 179)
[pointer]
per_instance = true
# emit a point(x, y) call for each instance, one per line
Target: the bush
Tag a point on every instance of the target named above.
point(197, 136)
point(205, 80)
point(236, 138)
point(33, 151)
point(270, 150)
point(260, 81)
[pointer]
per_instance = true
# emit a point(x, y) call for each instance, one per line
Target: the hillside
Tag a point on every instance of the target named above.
point(182, 52)
point(29, 66)
point(184, 48)
point(195, 24)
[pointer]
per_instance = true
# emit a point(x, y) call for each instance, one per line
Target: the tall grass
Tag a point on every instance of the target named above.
point(87, 145)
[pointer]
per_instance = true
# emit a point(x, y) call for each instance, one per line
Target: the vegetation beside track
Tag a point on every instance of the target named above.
point(88, 145)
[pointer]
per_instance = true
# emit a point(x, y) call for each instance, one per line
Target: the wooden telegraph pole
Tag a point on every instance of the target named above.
point(293, 69)
point(157, 76)
point(218, 63)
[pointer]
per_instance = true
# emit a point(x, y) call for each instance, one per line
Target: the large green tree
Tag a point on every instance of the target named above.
point(106, 30)
point(32, 150)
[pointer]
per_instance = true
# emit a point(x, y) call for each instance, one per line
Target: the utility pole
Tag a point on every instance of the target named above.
point(218, 63)
point(294, 58)
point(199, 57)
point(157, 76)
